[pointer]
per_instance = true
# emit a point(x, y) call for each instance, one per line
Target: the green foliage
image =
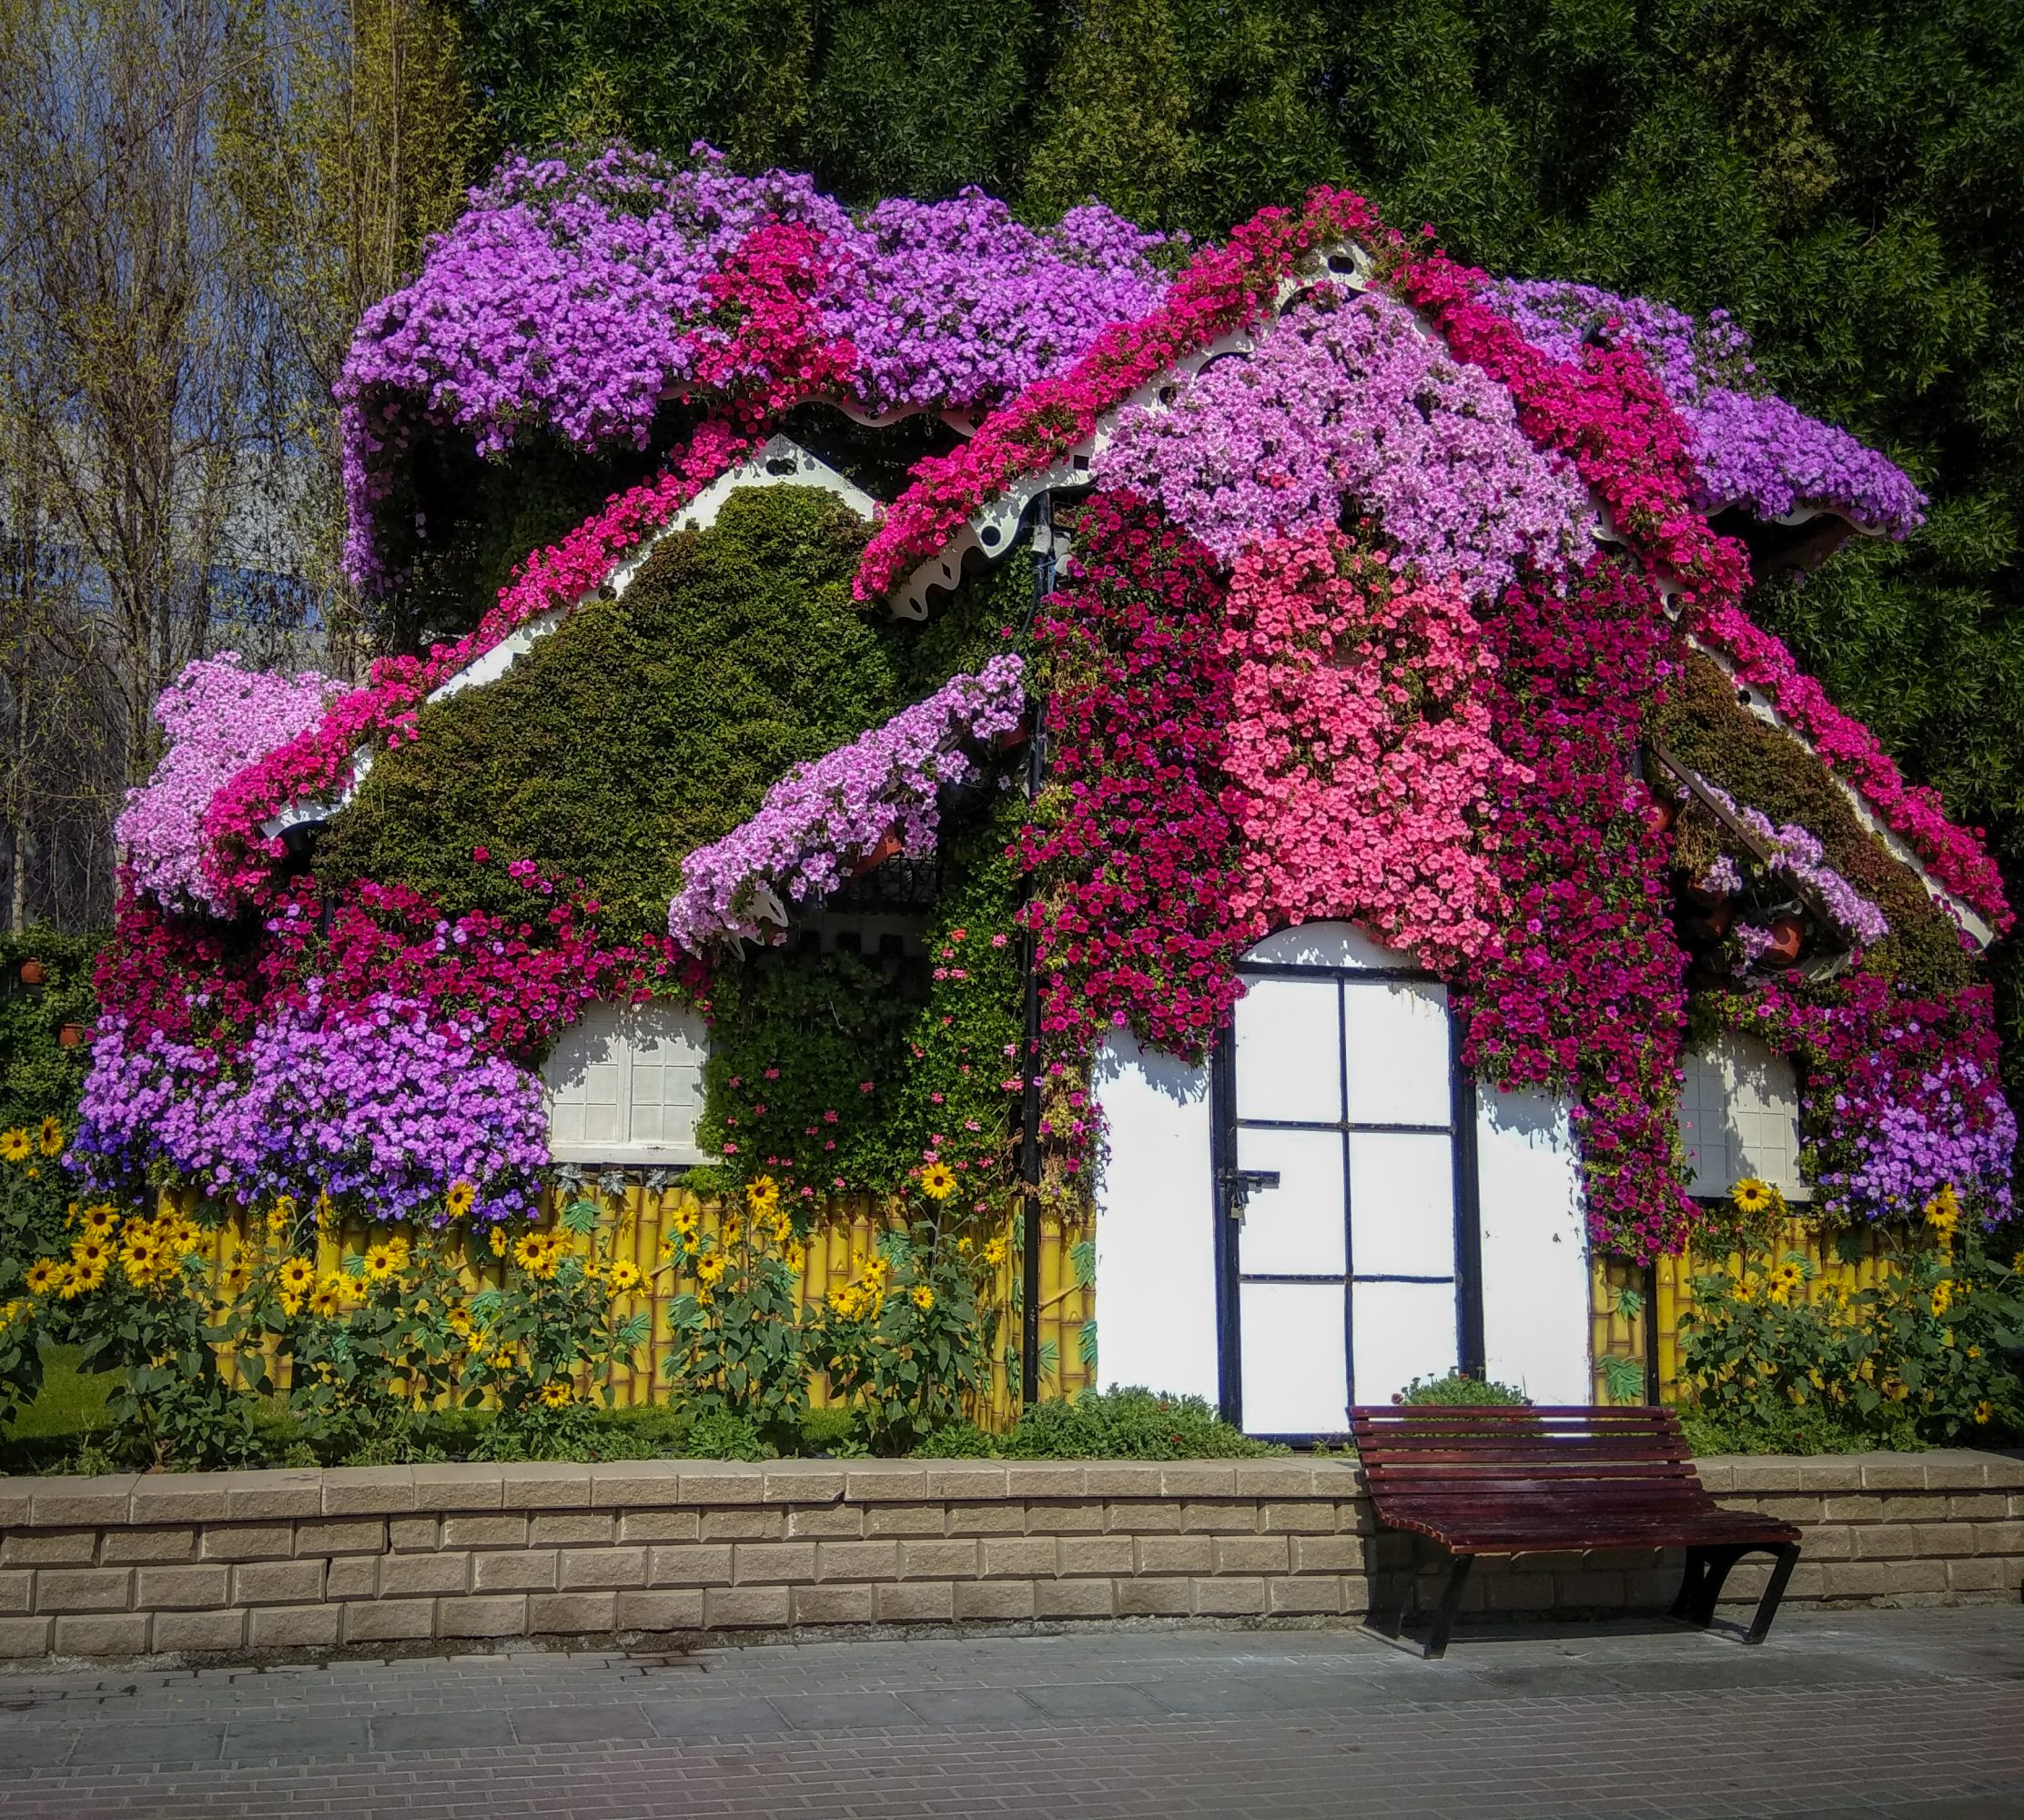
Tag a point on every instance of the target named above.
point(1459, 1387)
point(38, 1077)
point(1128, 1424)
point(648, 725)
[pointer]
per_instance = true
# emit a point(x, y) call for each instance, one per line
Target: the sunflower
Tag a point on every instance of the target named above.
point(924, 1297)
point(994, 1252)
point(100, 1217)
point(84, 1277)
point(623, 1277)
point(142, 1261)
point(329, 1298)
point(378, 1263)
point(763, 1194)
point(43, 1274)
point(502, 1361)
point(797, 1259)
point(1751, 1196)
point(496, 1239)
point(297, 1276)
point(456, 1202)
point(52, 1135)
point(458, 1322)
point(15, 1145)
point(559, 1395)
point(710, 1268)
point(92, 1252)
point(937, 1181)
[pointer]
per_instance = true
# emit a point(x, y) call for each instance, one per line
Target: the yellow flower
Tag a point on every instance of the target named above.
point(924, 1297)
point(1943, 1296)
point(13, 1311)
point(459, 1320)
point(763, 1194)
point(15, 1145)
point(558, 1395)
point(297, 1275)
point(101, 1218)
point(502, 1361)
point(528, 1250)
point(378, 1263)
point(326, 1210)
point(1982, 1414)
point(456, 1202)
point(84, 1277)
point(142, 1259)
point(1751, 1196)
point(710, 1268)
point(623, 1277)
point(937, 1181)
point(496, 1239)
point(400, 1250)
point(729, 1232)
point(797, 1259)
point(91, 1252)
point(52, 1135)
point(963, 1246)
point(43, 1274)
point(328, 1297)
point(994, 1253)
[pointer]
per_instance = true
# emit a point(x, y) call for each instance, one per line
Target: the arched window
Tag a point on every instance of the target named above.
point(1739, 1115)
point(625, 1086)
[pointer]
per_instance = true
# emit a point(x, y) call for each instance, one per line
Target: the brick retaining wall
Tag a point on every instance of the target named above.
point(293, 1560)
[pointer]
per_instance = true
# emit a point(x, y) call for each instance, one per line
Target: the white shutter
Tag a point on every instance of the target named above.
point(625, 1086)
point(1739, 1115)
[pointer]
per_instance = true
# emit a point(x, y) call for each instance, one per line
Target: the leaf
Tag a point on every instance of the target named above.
point(1082, 1259)
point(1630, 1303)
point(581, 1217)
point(1624, 1379)
point(1089, 1346)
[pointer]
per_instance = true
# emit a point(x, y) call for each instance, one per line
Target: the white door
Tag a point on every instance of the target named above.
point(1340, 1190)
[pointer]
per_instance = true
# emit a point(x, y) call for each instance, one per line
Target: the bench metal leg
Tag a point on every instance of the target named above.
point(1388, 1614)
point(1690, 1583)
point(1451, 1604)
point(1774, 1590)
point(1715, 1564)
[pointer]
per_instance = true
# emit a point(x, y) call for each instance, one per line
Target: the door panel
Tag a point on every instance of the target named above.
point(1298, 1229)
point(1399, 1331)
point(1290, 1051)
point(1294, 1380)
point(1402, 1197)
point(1396, 1035)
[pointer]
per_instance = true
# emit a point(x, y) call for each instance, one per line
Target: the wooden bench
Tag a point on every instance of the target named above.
point(1503, 1481)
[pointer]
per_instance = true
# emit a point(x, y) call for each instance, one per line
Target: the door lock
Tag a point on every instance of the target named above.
point(1240, 1185)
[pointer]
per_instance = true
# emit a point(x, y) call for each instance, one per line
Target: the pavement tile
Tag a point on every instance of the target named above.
point(579, 1724)
point(459, 1730)
point(843, 1712)
point(309, 1734)
point(716, 1716)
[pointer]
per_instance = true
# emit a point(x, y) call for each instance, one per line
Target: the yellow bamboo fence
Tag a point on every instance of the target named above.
point(1635, 1309)
point(841, 1238)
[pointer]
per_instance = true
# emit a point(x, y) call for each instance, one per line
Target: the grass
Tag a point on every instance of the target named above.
point(72, 1402)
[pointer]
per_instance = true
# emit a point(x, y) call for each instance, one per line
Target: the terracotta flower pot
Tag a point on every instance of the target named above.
point(886, 847)
point(32, 973)
point(1662, 814)
point(1789, 935)
point(1713, 924)
point(1013, 738)
point(70, 1035)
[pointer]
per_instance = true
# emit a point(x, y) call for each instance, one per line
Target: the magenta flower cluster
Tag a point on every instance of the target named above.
point(1751, 447)
point(822, 818)
point(1347, 398)
point(218, 717)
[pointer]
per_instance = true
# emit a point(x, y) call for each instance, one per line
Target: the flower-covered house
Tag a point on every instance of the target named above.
point(1255, 756)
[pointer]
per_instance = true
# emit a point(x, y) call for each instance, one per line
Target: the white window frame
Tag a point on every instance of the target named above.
point(618, 1037)
point(1754, 1091)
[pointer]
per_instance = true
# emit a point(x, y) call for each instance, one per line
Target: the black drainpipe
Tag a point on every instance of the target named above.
point(1030, 1134)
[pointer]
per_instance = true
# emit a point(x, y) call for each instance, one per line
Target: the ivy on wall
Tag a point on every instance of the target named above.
point(39, 1075)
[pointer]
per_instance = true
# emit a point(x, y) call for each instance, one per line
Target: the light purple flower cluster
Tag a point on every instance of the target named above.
point(574, 296)
point(220, 718)
point(1797, 854)
point(1958, 1131)
point(822, 817)
point(1347, 398)
point(386, 1106)
point(1754, 449)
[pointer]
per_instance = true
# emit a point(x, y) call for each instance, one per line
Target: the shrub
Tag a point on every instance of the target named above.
point(1459, 1388)
point(1128, 1424)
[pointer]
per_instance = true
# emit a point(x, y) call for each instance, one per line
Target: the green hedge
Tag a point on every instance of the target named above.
point(38, 1075)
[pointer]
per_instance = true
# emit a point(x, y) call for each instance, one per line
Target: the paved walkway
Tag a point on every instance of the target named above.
point(1917, 1715)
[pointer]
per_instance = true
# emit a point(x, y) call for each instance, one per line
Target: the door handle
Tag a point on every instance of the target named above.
point(1240, 1185)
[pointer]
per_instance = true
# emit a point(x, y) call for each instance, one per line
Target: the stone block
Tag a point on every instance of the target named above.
point(497, 1614)
point(1026, 1479)
point(994, 1601)
point(1155, 1598)
point(900, 1520)
point(892, 1481)
point(1831, 1541)
point(1081, 1516)
point(637, 1526)
point(689, 1564)
point(2003, 1471)
point(803, 1482)
point(636, 1485)
point(1142, 1517)
point(1222, 1596)
point(719, 1483)
point(1268, 1480)
point(946, 1560)
point(1894, 1472)
point(414, 1535)
point(352, 1577)
point(341, 1535)
point(2003, 1538)
point(458, 1485)
point(1944, 1539)
point(506, 1530)
point(1804, 1507)
point(380, 1621)
point(545, 1485)
point(836, 1605)
point(743, 1525)
point(1251, 1554)
point(767, 1564)
point(1327, 1553)
point(513, 1570)
point(854, 1560)
point(659, 1611)
point(177, 1498)
point(1311, 1516)
point(22, 1637)
point(1022, 1557)
point(1074, 1598)
point(1833, 1472)
point(368, 1491)
point(247, 1541)
point(186, 1588)
point(1229, 1516)
point(1197, 1479)
point(1176, 1554)
point(273, 1494)
point(1860, 1579)
point(16, 1502)
point(106, 1634)
point(1105, 1554)
point(1319, 1596)
point(732, 1608)
point(1957, 1469)
point(1003, 1518)
point(49, 1547)
point(411, 1576)
point(566, 1529)
point(571, 1615)
point(296, 1627)
point(1520, 1591)
point(844, 1521)
point(1592, 1589)
point(922, 1602)
point(87, 1589)
point(583, 1569)
point(174, 1632)
point(964, 1483)
point(1984, 1573)
point(1768, 1474)
point(282, 1582)
point(17, 1592)
point(62, 1503)
point(1977, 1506)
point(122, 1548)
point(1122, 1478)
